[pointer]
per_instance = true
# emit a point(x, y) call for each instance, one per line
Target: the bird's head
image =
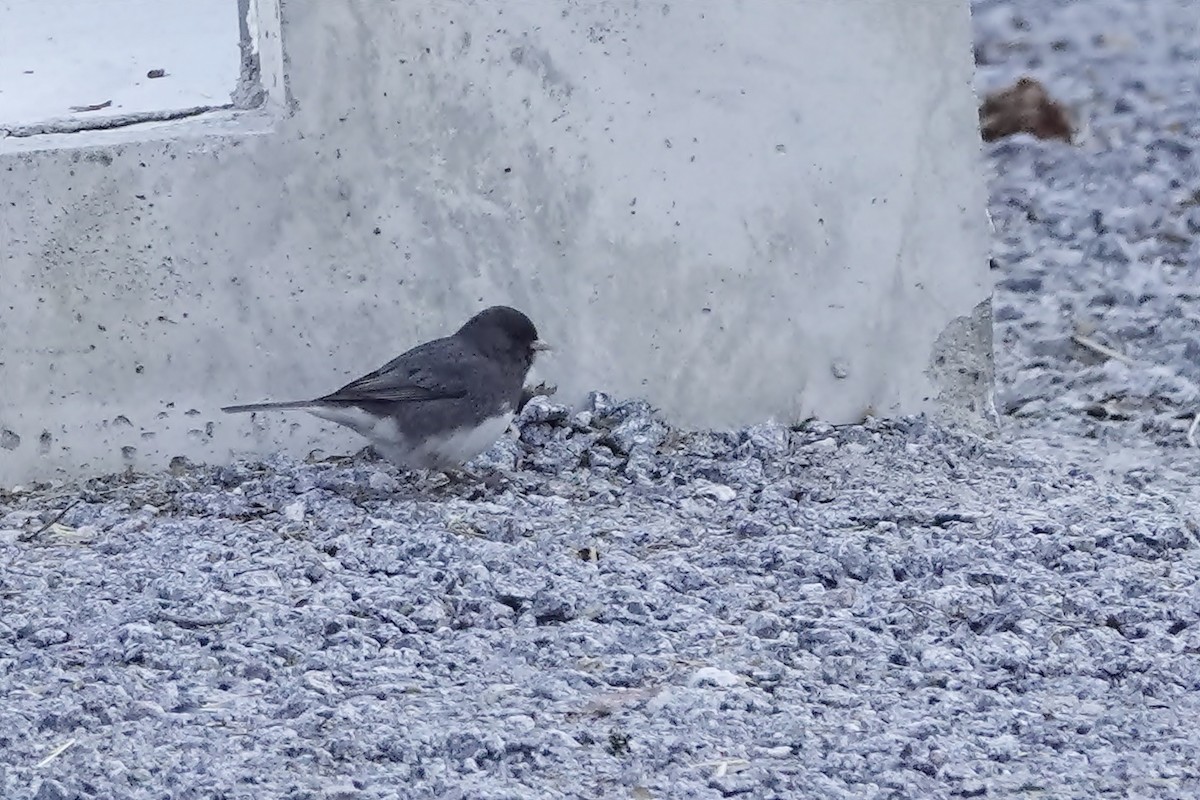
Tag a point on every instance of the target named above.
point(505, 333)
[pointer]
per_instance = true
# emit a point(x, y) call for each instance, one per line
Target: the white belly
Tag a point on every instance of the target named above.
point(449, 450)
point(460, 446)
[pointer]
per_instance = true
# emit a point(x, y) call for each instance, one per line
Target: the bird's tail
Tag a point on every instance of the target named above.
point(293, 404)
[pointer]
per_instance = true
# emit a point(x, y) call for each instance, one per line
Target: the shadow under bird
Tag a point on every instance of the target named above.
point(440, 404)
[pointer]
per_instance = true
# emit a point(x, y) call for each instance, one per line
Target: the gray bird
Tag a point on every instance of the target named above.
point(442, 403)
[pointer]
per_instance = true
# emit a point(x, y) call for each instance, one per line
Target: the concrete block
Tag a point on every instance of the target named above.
point(737, 210)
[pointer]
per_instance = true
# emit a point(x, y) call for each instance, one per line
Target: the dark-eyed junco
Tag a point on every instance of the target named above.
point(442, 403)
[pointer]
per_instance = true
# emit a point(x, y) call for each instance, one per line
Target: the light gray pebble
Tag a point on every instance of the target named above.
point(51, 790)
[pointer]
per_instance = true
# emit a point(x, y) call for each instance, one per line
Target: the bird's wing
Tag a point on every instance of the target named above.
point(431, 371)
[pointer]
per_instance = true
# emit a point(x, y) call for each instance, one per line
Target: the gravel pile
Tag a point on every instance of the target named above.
point(870, 611)
point(891, 610)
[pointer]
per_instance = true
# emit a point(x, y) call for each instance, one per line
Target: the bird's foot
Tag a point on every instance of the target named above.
point(543, 389)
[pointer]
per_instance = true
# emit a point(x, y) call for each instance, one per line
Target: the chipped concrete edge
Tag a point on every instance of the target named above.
point(249, 92)
point(962, 370)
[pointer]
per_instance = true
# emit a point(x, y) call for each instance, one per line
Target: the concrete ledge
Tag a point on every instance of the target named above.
point(736, 212)
point(224, 57)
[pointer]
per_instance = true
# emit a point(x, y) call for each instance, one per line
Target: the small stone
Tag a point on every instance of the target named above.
point(779, 751)
point(430, 616)
point(768, 440)
point(636, 433)
point(521, 722)
point(716, 491)
point(262, 579)
point(321, 682)
point(972, 788)
point(733, 785)
point(46, 637)
point(500, 457)
point(51, 790)
point(540, 409)
point(602, 457)
point(550, 607)
point(156, 73)
point(1028, 284)
point(140, 775)
point(294, 512)
point(711, 676)
point(538, 434)
point(142, 709)
point(765, 625)
point(1033, 408)
point(1007, 313)
point(641, 467)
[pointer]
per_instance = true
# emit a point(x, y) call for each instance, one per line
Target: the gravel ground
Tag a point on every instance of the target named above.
point(871, 611)
point(1100, 239)
point(890, 610)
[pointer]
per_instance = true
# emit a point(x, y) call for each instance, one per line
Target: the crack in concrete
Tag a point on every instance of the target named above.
point(123, 121)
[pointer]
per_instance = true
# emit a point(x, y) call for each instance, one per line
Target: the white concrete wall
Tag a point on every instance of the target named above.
point(738, 210)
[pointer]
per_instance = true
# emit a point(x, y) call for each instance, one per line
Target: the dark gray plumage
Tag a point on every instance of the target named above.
point(442, 403)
